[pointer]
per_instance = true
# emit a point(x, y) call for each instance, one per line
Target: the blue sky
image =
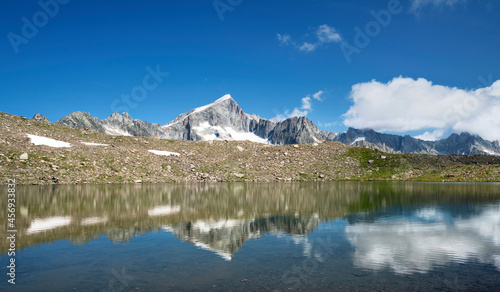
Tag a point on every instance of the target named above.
point(269, 55)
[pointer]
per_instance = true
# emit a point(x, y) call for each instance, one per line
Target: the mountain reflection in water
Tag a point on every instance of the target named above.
point(342, 228)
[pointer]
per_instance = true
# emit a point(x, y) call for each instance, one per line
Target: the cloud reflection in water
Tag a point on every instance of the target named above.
point(429, 237)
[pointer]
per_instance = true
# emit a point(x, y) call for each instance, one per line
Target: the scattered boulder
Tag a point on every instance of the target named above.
point(24, 156)
point(240, 148)
point(137, 181)
point(239, 175)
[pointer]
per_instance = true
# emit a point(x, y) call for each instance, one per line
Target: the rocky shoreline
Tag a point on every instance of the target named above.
point(94, 157)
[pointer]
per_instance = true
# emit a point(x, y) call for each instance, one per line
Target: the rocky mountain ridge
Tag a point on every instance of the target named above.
point(221, 120)
point(225, 120)
point(455, 144)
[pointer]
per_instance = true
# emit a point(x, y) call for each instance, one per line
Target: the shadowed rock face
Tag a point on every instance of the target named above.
point(296, 130)
point(40, 118)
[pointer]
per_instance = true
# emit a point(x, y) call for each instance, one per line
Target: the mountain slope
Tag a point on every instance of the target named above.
point(28, 152)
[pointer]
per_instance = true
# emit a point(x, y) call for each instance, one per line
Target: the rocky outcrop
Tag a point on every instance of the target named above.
point(123, 124)
point(328, 135)
point(296, 130)
point(81, 120)
point(40, 118)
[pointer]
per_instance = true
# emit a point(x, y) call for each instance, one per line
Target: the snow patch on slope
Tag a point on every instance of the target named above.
point(164, 153)
point(94, 144)
point(486, 150)
point(209, 132)
point(39, 140)
point(359, 139)
point(115, 131)
point(201, 108)
point(198, 109)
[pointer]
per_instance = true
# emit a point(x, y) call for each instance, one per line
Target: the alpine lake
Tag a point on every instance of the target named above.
point(317, 236)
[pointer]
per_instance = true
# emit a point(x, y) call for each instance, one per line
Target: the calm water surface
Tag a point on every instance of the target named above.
point(249, 237)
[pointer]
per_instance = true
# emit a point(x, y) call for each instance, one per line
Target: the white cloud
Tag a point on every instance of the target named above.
point(317, 95)
point(406, 104)
point(305, 108)
point(284, 39)
point(307, 47)
point(431, 136)
point(324, 34)
point(417, 245)
point(297, 113)
point(327, 34)
point(418, 4)
point(327, 124)
point(306, 103)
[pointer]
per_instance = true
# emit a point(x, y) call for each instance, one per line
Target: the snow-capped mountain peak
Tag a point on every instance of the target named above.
point(222, 119)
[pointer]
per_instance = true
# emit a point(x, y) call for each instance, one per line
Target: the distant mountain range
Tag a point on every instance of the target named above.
point(463, 144)
point(225, 120)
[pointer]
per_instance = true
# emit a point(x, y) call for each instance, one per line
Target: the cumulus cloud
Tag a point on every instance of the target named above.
point(317, 95)
point(307, 47)
point(297, 113)
point(431, 136)
point(306, 103)
point(406, 104)
point(327, 124)
point(303, 110)
point(418, 4)
point(284, 39)
point(327, 34)
point(324, 34)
